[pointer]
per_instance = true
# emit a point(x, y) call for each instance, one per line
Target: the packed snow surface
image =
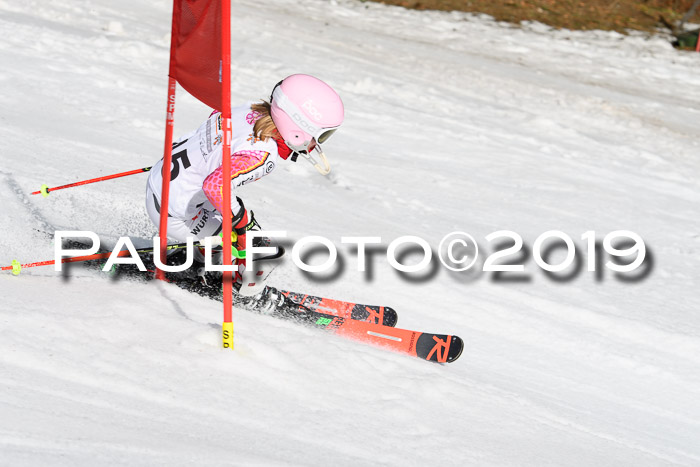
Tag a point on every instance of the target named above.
point(454, 122)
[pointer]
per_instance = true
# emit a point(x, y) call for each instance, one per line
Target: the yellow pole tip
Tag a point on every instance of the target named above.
point(44, 190)
point(16, 267)
point(227, 335)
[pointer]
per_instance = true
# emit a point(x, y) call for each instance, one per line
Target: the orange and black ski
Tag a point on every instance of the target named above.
point(441, 348)
point(356, 322)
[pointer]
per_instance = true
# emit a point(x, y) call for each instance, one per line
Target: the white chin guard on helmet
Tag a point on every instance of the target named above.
point(309, 156)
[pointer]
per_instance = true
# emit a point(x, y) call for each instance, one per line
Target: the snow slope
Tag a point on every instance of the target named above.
point(454, 122)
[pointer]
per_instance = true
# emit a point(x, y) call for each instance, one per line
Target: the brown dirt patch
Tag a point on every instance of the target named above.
point(615, 15)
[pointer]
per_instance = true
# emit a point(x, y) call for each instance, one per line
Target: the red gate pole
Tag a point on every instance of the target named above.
point(167, 162)
point(168, 145)
point(227, 327)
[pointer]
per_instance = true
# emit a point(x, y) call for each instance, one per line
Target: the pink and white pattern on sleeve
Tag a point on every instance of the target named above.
point(244, 165)
point(253, 117)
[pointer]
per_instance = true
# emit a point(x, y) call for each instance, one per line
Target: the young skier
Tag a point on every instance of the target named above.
point(303, 113)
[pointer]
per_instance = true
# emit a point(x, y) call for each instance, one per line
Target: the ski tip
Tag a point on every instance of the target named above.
point(456, 348)
point(440, 348)
point(391, 317)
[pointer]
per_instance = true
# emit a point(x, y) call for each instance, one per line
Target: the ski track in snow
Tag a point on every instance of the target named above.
point(454, 122)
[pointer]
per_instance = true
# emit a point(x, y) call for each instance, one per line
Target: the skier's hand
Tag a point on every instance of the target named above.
point(238, 234)
point(237, 245)
point(239, 224)
point(237, 255)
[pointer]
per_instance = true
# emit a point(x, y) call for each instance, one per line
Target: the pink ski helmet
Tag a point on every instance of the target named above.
point(306, 111)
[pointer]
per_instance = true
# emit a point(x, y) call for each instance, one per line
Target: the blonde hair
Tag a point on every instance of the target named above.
point(264, 127)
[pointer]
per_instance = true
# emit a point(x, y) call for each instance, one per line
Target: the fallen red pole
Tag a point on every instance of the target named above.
point(45, 188)
point(16, 266)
